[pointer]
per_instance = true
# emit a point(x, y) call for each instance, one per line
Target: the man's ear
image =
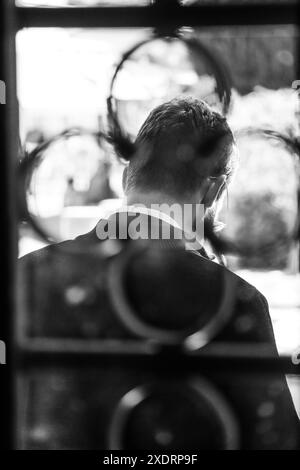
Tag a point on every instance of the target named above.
point(124, 178)
point(213, 189)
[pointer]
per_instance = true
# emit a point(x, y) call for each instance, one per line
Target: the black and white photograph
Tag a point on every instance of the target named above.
point(150, 229)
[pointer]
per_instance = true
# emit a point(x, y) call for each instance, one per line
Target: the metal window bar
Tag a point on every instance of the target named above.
point(161, 14)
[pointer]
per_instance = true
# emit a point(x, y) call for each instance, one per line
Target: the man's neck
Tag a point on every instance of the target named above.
point(150, 198)
point(171, 207)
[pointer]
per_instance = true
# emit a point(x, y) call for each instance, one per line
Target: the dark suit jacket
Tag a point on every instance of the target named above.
point(179, 288)
point(207, 278)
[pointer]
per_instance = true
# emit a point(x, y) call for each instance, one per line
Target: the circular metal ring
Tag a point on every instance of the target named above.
point(222, 75)
point(224, 245)
point(202, 390)
point(191, 339)
point(27, 165)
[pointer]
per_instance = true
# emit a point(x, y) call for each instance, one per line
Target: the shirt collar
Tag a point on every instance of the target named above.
point(152, 213)
point(161, 216)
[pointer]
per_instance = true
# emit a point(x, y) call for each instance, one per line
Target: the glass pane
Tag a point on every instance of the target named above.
point(64, 78)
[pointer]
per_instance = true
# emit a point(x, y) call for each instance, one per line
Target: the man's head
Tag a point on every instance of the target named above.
point(185, 152)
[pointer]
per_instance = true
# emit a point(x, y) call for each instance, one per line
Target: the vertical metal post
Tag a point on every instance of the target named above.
point(8, 252)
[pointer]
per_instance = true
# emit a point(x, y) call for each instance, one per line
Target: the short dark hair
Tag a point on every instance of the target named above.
point(174, 148)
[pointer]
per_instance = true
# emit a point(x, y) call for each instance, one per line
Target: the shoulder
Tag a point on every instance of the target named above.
point(51, 250)
point(245, 291)
point(43, 253)
point(250, 320)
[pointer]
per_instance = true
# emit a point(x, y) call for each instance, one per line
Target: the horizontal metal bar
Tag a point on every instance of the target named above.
point(216, 356)
point(89, 347)
point(159, 16)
